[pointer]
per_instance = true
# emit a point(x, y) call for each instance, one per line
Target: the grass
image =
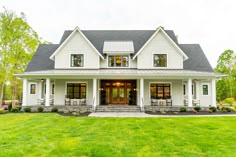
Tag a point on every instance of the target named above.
point(50, 134)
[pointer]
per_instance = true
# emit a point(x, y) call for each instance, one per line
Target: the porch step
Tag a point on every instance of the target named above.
point(117, 108)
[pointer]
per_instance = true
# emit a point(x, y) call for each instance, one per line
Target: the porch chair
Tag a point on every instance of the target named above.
point(41, 101)
point(168, 102)
point(196, 102)
point(82, 102)
point(67, 101)
point(185, 102)
point(154, 102)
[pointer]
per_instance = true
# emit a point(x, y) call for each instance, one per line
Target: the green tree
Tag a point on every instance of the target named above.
point(18, 42)
point(226, 64)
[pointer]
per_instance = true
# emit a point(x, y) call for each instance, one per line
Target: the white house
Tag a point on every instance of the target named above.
point(119, 67)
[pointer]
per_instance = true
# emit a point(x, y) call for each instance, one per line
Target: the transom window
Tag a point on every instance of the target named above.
point(205, 89)
point(76, 90)
point(160, 91)
point(118, 61)
point(160, 60)
point(77, 60)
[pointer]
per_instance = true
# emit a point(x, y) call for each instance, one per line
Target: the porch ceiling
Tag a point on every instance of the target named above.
point(121, 73)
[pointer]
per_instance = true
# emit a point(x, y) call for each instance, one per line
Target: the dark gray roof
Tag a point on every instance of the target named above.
point(139, 37)
point(40, 60)
point(197, 60)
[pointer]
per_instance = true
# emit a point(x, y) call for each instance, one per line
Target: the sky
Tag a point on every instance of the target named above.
point(210, 23)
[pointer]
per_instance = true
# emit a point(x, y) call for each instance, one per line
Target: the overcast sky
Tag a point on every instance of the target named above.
point(211, 23)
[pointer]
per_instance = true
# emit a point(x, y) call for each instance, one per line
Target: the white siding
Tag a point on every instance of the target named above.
point(77, 45)
point(160, 45)
point(60, 91)
point(32, 98)
point(176, 95)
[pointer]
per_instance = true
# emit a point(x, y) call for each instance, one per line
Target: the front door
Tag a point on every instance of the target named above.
point(118, 95)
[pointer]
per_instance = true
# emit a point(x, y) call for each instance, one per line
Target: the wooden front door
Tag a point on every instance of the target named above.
point(118, 95)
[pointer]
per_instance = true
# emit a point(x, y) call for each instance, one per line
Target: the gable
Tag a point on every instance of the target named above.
point(174, 44)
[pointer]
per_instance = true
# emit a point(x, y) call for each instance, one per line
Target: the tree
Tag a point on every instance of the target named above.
point(18, 42)
point(226, 64)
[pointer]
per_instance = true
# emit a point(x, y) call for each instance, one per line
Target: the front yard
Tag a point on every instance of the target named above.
point(49, 134)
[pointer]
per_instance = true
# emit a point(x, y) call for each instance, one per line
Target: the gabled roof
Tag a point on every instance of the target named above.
point(68, 38)
point(160, 29)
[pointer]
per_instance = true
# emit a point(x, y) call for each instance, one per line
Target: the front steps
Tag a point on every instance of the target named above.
point(117, 108)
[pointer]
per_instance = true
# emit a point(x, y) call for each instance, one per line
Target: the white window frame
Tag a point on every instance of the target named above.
point(35, 88)
point(70, 61)
point(118, 55)
point(160, 54)
point(207, 89)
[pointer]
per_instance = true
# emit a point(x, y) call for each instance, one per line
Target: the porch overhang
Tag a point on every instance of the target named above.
point(121, 73)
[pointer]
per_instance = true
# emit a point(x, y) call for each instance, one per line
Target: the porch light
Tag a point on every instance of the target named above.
point(118, 83)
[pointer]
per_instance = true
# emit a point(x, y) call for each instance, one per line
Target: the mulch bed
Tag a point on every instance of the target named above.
point(191, 113)
point(70, 114)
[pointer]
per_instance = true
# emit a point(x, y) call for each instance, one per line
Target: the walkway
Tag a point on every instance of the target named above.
point(142, 114)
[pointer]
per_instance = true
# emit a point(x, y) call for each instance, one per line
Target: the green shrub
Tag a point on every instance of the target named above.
point(54, 109)
point(10, 106)
point(40, 109)
point(27, 109)
point(15, 110)
point(212, 108)
point(227, 109)
point(182, 109)
point(197, 108)
point(229, 101)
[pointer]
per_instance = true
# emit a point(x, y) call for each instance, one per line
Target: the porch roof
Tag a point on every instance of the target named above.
point(121, 73)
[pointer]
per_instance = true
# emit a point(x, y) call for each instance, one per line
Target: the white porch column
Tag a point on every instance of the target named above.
point(190, 102)
point(141, 91)
point(197, 90)
point(94, 93)
point(47, 101)
point(213, 92)
point(25, 91)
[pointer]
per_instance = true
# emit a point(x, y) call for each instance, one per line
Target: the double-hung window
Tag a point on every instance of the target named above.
point(76, 90)
point(160, 90)
point(205, 89)
point(160, 60)
point(77, 60)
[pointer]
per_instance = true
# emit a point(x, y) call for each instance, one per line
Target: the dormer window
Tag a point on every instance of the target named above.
point(160, 60)
point(77, 60)
point(118, 61)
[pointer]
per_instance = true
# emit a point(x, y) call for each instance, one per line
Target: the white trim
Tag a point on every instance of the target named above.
point(157, 82)
point(166, 60)
point(172, 42)
point(193, 89)
point(86, 82)
point(118, 55)
point(83, 67)
point(207, 89)
point(68, 38)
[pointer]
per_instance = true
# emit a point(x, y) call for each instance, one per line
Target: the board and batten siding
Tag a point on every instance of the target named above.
point(77, 45)
point(159, 45)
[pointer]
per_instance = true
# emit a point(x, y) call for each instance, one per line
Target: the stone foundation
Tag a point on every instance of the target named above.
point(61, 108)
point(170, 108)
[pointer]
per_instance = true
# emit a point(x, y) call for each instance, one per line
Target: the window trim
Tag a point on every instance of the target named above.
point(30, 88)
point(208, 94)
point(70, 62)
point(159, 54)
point(86, 82)
point(159, 83)
point(118, 55)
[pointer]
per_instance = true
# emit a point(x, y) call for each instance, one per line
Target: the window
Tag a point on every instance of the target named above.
point(160, 91)
point(32, 88)
point(76, 90)
point(204, 89)
point(160, 60)
point(77, 60)
point(53, 88)
point(118, 61)
point(184, 89)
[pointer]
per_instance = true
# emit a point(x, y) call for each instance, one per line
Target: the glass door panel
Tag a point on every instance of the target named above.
point(122, 95)
point(114, 95)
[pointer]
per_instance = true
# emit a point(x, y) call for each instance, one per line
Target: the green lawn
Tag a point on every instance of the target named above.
point(54, 135)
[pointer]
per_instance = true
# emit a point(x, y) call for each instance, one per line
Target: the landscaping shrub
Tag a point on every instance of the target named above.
point(182, 109)
point(229, 101)
point(40, 109)
point(54, 109)
point(212, 108)
point(226, 109)
point(15, 110)
point(27, 109)
point(10, 106)
point(197, 108)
